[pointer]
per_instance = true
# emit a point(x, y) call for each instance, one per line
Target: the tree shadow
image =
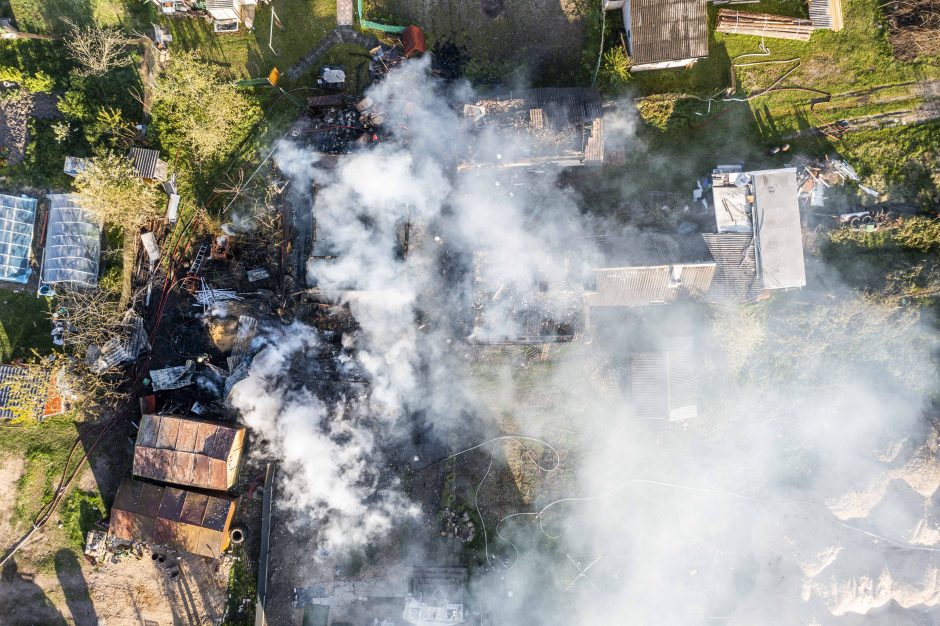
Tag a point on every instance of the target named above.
point(72, 581)
point(23, 598)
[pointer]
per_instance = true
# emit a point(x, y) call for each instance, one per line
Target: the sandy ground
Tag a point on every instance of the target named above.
point(51, 584)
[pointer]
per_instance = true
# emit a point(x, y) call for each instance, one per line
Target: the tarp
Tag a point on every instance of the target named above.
point(73, 243)
point(17, 218)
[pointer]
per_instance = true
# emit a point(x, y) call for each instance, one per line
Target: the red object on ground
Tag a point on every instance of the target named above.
point(413, 41)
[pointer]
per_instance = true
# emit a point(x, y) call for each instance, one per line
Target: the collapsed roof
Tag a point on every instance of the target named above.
point(190, 452)
point(73, 243)
point(17, 219)
point(178, 519)
point(559, 126)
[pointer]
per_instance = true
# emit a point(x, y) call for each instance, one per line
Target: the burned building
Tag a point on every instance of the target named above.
point(551, 310)
point(757, 217)
point(652, 268)
point(172, 518)
point(534, 127)
point(189, 452)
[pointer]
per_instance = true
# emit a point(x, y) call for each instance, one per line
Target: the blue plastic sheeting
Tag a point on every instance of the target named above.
point(73, 243)
point(17, 218)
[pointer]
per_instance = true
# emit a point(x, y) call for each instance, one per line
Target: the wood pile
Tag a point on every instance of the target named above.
point(764, 25)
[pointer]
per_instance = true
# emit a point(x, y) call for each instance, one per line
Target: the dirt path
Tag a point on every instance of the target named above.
point(10, 469)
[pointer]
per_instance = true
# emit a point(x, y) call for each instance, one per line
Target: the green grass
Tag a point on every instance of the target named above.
point(44, 448)
point(45, 16)
point(242, 585)
point(80, 511)
point(24, 324)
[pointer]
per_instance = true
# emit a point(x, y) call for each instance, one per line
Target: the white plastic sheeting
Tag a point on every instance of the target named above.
point(17, 218)
point(73, 243)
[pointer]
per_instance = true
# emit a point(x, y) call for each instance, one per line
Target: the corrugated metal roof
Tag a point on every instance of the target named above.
point(178, 519)
point(651, 268)
point(736, 272)
point(651, 250)
point(17, 219)
point(641, 286)
point(778, 234)
point(183, 451)
point(73, 242)
point(147, 163)
point(668, 30)
point(663, 383)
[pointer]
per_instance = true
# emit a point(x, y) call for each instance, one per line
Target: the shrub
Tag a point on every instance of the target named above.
point(918, 233)
point(39, 83)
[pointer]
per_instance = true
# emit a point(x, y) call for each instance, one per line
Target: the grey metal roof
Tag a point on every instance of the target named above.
point(663, 383)
point(640, 286)
point(73, 243)
point(147, 163)
point(736, 271)
point(652, 249)
point(667, 30)
point(651, 268)
point(778, 235)
point(17, 220)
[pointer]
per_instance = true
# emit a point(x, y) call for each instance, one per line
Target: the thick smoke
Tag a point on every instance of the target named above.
point(804, 492)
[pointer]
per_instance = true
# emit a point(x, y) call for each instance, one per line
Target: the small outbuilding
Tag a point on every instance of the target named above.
point(73, 243)
point(665, 34)
point(663, 383)
point(172, 518)
point(147, 164)
point(190, 452)
point(412, 40)
point(764, 206)
point(17, 221)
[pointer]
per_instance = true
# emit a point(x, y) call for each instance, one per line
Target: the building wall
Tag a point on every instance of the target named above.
point(663, 65)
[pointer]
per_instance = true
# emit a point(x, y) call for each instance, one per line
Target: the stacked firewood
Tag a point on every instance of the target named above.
point(764, 25)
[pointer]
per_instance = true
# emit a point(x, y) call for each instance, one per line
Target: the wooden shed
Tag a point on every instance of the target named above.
point(177, 519)
point(190, 452)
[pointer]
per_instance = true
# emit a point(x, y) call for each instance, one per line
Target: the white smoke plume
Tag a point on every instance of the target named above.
point(805, 492)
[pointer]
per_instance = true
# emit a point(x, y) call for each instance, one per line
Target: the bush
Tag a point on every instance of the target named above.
point(615, 68)
point(918, 233)
point(39, 83)
point(80, 511)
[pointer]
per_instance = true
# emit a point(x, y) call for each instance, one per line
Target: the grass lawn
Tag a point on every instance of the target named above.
point(246, 53)
point(24, 324)
point(846, 65)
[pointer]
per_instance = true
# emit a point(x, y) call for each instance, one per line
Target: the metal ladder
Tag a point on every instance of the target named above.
point(196, 266)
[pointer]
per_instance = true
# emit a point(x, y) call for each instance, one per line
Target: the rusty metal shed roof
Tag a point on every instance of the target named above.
point(178, 519)
point(183, 451)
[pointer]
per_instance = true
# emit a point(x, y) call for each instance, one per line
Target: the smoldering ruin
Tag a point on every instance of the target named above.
point(493, 403)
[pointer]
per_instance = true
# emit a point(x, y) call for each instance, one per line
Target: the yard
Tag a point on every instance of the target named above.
point(245, 53)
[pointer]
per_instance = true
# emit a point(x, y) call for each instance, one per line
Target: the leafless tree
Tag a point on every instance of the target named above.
point(98, 50)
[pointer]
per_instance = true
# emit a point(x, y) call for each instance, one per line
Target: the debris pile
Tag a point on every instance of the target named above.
point(457, 525)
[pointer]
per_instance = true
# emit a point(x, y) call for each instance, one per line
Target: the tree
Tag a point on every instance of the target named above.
point(98, 50)
point(197, 112)
point(111, 189)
